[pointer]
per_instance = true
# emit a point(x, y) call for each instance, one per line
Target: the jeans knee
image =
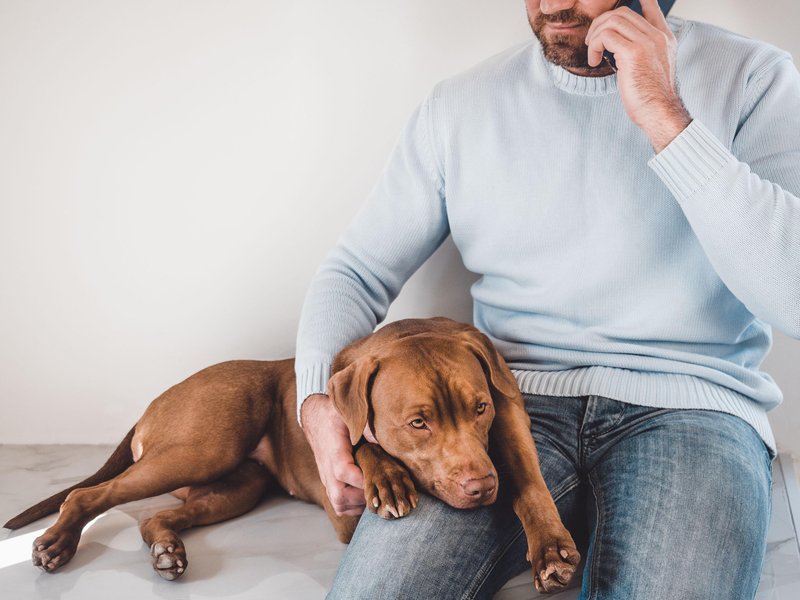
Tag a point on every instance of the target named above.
point(390, 584)
point(358, 590)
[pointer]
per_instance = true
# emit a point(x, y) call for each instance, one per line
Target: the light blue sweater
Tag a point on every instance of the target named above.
point(605, 270)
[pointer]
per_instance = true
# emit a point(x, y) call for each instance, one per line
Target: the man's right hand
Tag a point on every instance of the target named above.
point(329, 439)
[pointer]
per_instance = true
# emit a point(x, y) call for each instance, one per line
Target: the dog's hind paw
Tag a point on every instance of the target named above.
point(54, 549)
point(169, 558)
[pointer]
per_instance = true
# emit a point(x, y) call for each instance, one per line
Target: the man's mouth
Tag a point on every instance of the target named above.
point(563, 26)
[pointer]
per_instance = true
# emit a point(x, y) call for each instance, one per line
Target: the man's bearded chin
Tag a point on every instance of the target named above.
point(564, 50)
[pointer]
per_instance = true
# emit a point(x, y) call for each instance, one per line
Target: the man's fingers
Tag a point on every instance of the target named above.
point(652, 12)
point(619, 28)
point(349, 509)
point(346, 500)
point(369, 435)
point(346, 489)
point(624, 16)
point(350, 512)
point(351, 475)
point(623, 29)
point(617, 15)
point(611, 41)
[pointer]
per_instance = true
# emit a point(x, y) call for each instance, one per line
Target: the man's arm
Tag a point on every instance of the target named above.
point(402, 223)
point(743, 204)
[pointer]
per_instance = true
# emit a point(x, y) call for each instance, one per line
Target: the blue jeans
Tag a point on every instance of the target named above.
point(662, 504)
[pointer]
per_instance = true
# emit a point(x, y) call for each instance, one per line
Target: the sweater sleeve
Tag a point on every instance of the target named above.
point(743, 204)
point(401, 224)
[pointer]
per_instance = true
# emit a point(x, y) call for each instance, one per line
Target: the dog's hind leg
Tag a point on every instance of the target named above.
point(230, 496)
point(158, 473)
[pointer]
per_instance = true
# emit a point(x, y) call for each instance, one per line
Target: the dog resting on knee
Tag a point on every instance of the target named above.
point(435, 393)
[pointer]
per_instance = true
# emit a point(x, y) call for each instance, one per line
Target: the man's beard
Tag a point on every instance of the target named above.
point(561, 49)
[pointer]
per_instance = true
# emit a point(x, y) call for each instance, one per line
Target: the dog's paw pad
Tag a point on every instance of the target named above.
point(168, 558)
point(554, 564)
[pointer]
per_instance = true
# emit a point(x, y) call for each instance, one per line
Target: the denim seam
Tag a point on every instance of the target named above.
point(616, 422)
point(594, 567)
point(487, 568)
point(569, 484)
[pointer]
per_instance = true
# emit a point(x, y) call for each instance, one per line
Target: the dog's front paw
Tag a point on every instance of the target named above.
point(390, 492)
point(554, 560)
point(169, 558)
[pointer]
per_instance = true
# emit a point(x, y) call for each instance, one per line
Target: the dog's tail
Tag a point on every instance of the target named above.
point(119, 460)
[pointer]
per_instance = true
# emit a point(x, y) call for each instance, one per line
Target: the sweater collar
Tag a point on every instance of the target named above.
point(571, 83)
point(577, 84)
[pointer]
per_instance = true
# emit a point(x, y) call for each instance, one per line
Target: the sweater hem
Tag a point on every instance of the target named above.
point(656, 390)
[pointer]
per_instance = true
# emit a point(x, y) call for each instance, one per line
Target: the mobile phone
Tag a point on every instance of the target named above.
point(636, 6)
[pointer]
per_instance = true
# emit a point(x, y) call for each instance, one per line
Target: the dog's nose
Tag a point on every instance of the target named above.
point(479, 489)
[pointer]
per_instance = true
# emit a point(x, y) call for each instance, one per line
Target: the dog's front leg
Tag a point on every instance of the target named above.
point(388, 488)
point(551, 549)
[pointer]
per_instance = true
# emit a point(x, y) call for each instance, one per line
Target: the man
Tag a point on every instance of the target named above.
point(636, 240)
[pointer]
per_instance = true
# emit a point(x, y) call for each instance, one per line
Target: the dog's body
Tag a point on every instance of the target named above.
point(221, 438)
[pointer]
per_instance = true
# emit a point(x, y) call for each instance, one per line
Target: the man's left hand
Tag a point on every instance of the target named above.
point(645, 50)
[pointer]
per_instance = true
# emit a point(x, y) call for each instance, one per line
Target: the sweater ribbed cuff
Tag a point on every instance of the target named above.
point(312, 380)
point(690, 160)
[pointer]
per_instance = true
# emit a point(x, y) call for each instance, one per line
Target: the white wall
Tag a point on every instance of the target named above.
point(173, 171)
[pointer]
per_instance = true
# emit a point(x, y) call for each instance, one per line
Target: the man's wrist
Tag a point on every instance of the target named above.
point(668, 127)
point(311, 405)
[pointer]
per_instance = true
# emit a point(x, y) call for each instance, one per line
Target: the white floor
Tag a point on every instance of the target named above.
point(282, 549)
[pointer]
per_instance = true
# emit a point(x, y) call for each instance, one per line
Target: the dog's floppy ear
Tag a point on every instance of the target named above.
point(350, 389)
point(498, 375)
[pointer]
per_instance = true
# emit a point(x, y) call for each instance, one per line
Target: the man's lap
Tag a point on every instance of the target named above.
point(654, 483)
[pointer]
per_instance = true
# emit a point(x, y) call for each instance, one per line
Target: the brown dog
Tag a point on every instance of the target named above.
point(429, 389)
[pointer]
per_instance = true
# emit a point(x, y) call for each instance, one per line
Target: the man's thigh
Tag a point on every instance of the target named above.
point(434, 552)
point(441, 552)
point(682, 507)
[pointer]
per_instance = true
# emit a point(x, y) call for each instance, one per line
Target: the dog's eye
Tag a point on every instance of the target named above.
point(482, 407)
point(418, 423)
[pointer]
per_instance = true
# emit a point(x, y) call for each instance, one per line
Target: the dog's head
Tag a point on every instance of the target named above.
point(429, 394)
